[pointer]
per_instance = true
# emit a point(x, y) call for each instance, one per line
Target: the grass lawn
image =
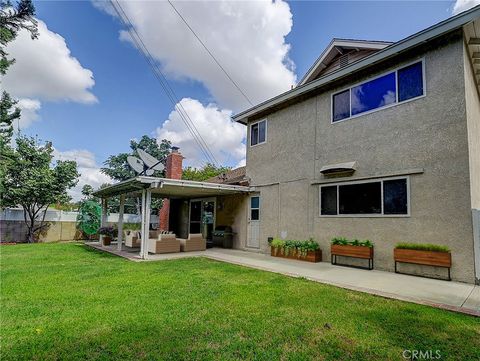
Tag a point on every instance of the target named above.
point(67, 302)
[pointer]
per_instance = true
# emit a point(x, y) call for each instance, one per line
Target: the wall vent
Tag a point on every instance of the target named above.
point(343, 60)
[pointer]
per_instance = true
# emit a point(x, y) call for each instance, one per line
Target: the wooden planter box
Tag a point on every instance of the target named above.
point(312, 256)
point(352, 251)
point(427, 258)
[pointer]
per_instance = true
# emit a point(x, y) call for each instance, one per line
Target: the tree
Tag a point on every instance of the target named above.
point(201, 174)
point(12, 20)
point(33, 182)
point(8, 113)
point(116, 166)
point(87, 191)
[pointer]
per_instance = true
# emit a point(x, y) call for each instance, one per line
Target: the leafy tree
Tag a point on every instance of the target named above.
point(33, 182)
point(87, 191)
point(201, 174)
point(12, 20)
point(116, 166)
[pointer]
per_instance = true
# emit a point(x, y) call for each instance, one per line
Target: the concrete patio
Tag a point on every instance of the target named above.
point(454, 296)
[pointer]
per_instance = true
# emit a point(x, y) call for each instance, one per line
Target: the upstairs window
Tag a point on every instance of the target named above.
point(388, 197)
point(398, 86)
point(258, 132)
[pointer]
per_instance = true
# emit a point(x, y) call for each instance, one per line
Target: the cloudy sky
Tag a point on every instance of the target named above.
point(85, 86)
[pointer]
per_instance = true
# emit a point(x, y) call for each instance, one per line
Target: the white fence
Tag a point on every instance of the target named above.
point(53, 215)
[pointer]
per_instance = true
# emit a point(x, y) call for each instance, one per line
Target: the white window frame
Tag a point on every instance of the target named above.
point(250, 132)
point(395, 70)
point(253, 208)
point(373, 215)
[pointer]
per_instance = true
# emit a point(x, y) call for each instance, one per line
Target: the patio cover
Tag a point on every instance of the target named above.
point(169, 188)
point(148, 187)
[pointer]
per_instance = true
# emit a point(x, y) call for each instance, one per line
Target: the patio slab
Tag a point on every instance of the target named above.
point(455, 296)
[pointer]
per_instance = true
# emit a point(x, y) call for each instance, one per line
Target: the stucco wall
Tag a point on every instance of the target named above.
point(232, 211)
point(473, 123)
point(428, 133)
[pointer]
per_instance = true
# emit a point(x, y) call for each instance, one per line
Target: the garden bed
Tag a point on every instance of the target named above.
point(300, 250)
point(423, 254)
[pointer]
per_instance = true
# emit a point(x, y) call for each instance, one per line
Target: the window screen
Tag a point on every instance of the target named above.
point(410, 82)
point(395, 196)
point(328, 200)
point(341, 106)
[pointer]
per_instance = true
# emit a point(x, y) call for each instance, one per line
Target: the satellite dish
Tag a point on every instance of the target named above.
point(135, 163)
point(146, 164)
point(150, 162)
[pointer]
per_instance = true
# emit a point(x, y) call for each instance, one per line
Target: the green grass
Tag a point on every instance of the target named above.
point(423, 247)
point(67, 302)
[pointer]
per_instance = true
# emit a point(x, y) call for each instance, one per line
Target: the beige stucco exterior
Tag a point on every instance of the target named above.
point(434, 140)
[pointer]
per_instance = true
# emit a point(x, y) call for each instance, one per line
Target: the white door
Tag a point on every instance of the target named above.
point(253, 238)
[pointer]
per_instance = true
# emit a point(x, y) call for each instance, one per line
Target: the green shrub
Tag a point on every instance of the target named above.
point(132, 226)
point(342, 241)
point(300, 248)
point(422, 247)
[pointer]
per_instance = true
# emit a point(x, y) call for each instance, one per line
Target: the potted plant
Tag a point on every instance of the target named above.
point(308, 250)
point(423, 254)
point(108, 233)
point(341, 246)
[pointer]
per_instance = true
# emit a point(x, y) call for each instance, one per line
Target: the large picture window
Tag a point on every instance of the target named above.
point(398, 86)
point(258, 132)
point(385, 197)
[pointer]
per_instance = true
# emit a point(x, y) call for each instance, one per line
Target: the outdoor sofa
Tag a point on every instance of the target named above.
point(160, 242)
point(194, 242)
point(132, 238)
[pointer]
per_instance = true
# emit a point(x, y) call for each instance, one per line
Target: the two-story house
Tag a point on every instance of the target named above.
point(378, 141)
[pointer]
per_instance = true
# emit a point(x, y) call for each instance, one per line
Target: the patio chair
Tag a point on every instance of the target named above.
point(132, 239)
point(194, 242)
point(163, 243)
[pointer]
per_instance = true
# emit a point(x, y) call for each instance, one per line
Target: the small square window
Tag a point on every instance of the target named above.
point(258, 132)
point(341, 106)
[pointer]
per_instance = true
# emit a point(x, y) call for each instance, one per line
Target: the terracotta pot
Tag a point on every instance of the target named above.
point(107, 240)
point(311, 256)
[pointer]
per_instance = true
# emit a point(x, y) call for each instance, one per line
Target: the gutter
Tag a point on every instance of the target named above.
point(401, 46)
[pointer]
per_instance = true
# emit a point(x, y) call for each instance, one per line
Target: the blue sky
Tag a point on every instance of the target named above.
point(130, 102)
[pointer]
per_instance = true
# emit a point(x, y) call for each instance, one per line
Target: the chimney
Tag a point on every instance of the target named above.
point(173, 170)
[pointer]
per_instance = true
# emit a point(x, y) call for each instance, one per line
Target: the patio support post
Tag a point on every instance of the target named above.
point(120, 222)
point(142, 232)
point(148, 202)
point(103, 222)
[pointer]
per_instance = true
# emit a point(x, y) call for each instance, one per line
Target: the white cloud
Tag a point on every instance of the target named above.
point(87, 167)
point(462, 5)
point(44, 69)
point(225, 138)
point(247, 37)
point(29, 112)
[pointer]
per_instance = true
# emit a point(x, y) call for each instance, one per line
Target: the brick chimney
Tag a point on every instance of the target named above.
point(173, 170)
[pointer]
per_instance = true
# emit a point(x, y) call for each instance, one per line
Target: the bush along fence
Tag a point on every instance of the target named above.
point(351, 248)
point(308, 250)
point(423, 254)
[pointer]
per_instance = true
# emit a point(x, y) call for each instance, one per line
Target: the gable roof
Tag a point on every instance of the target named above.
point(339, 47)
point(234, 176)
point(435, 31)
